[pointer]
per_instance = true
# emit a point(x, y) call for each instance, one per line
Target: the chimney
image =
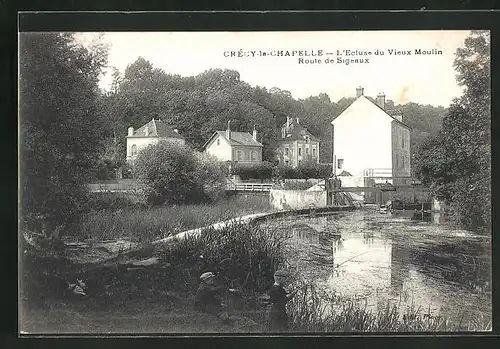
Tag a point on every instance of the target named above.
point(254, 134)
point(288, 122)
point(130, 131)
point(381, 100)
point(398, 115)
point(228, 130)
point(176, 130)
point(359, 91)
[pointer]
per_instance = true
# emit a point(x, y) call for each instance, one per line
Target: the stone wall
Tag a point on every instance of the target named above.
point(296, 199)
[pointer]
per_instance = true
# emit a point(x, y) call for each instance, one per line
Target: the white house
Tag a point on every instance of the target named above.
point(236, 147)
point(369, 141)
point(148, 134)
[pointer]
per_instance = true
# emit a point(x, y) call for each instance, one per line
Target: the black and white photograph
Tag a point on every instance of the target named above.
point(254, 182)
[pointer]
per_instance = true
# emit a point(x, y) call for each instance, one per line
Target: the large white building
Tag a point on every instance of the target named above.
point(369, 141)
point(148, 134)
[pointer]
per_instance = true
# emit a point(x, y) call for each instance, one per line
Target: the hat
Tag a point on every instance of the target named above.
point(206, 276)
point(281, 273)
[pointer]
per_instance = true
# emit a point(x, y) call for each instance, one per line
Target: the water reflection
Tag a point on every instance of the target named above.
point(400, 257)
point(379, 257)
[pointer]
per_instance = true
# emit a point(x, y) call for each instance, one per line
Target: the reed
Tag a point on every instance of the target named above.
point(244, 256)
point(147, 224)
point(312, 311)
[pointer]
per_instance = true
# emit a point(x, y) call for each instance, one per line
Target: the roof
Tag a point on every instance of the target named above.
point(156, 128)
point(298, 133)
point(388, 112)
point(237, 138)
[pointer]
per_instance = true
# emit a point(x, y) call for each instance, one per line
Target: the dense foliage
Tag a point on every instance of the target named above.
point(266, 171)
point(173, 174)
point(457, 161)
point(60, 129)
point(260, 171)
point(199, 105)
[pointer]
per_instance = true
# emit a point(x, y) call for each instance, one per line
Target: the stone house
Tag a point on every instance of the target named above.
point(150, 133)
point(297, 145)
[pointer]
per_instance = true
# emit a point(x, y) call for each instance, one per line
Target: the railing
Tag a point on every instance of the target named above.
point(377, 172)
point(113, 187)
point(249, 186)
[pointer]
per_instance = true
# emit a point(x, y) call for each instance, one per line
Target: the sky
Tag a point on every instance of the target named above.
point(425, 79)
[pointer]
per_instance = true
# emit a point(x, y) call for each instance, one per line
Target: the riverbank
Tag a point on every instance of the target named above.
point(159, 298)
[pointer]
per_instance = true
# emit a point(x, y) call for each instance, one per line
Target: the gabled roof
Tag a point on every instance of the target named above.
point(297, 132)
point(388, 113)
point(237, 138)
point(156, 128)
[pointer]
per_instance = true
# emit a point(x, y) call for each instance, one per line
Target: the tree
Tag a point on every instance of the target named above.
point(59, 126)
point(174, 174)
point(457, 162)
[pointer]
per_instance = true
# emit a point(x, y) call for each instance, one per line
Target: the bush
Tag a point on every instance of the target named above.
point(314, 170)
point(260, 171)
point(305, 171)
point(173, 174)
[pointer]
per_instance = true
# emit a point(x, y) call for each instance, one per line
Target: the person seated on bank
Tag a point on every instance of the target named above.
point(279, 298)
point(208, 295)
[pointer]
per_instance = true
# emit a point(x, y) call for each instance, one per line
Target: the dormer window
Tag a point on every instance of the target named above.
point(218, 141)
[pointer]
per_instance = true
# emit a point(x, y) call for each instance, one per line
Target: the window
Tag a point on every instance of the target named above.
point(340, 163)
point(254, 155)
point(239, 155)
point(300, 151)
point(286, 151)
point(403, 159)
point(403, 142)
point(397, 161)
point(218, 141)
point(286, 162)
point(133, 150)
point(314, 151)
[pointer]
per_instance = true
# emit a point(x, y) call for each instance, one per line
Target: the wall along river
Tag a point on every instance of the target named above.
point(400, 258)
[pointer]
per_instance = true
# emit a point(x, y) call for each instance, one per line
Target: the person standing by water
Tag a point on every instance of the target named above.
point(208, 295)
point(279, 298)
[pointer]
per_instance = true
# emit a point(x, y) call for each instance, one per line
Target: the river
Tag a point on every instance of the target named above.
point(401, 258)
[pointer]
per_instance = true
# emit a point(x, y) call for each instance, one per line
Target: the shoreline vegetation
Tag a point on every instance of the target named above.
point(245, 256)
point(147, 224)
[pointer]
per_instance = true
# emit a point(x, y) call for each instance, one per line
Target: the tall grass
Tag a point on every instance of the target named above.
point(311, 311)
point(147, 224)
point(244, 256)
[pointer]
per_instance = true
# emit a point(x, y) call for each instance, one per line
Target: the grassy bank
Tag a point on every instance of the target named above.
point(146, 224)
point(244, 257)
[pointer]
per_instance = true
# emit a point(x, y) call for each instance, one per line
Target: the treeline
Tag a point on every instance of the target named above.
point(199, 105)
point(456, 162)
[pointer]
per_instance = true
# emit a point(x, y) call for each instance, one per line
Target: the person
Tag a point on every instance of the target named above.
point(208, 295)
point(279, 298)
